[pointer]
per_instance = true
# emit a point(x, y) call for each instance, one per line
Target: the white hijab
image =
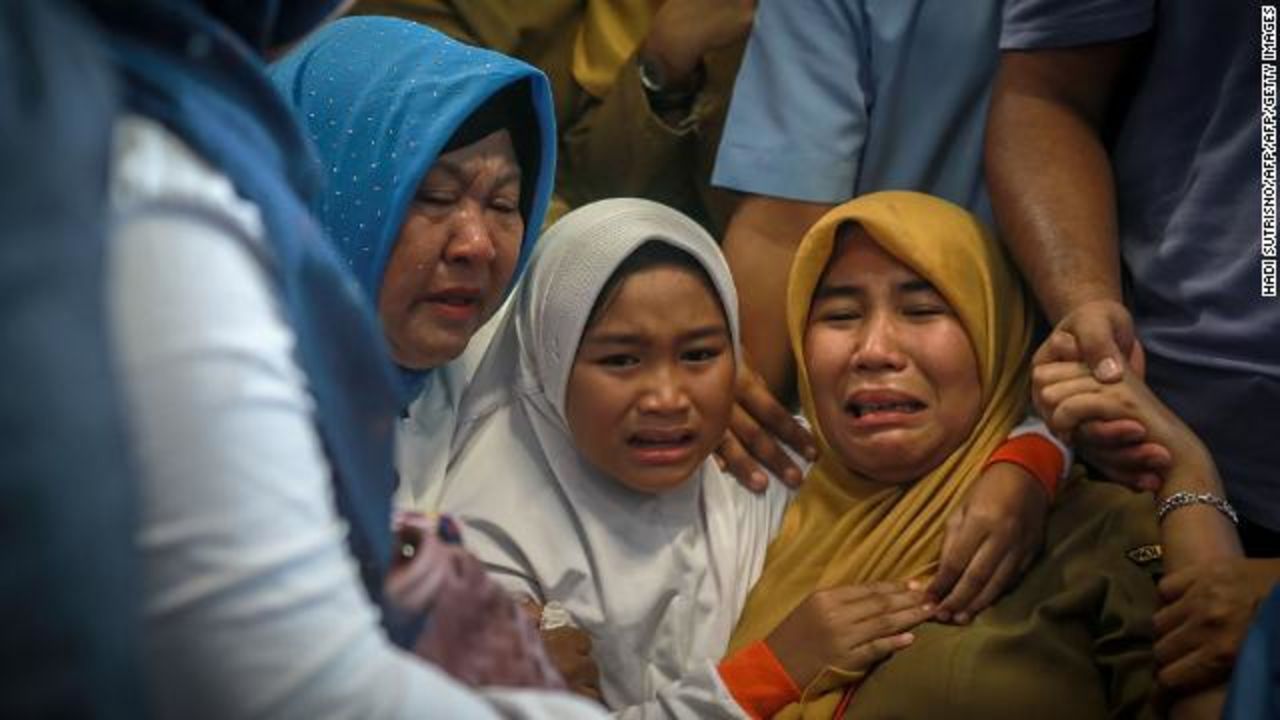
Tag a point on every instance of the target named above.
point(656, 580)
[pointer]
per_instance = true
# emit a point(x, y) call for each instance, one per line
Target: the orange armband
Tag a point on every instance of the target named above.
point(1035, 454)
point(757, 681)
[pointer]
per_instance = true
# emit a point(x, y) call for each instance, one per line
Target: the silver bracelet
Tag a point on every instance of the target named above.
point(1184, 498)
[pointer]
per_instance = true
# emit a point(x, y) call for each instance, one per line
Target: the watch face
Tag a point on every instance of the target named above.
point(651, 75)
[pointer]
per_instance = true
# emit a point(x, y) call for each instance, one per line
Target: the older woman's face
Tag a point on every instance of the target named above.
point(894, 376)
point(455, 253)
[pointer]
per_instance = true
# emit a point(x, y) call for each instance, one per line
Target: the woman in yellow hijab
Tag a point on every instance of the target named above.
point(911, 333)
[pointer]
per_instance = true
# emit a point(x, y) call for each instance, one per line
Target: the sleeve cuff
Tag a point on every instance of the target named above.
point(1035, 454)
point(757, 681)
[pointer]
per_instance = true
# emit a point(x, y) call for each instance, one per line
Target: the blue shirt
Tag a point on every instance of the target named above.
point(837, 98)
point(1186, 161)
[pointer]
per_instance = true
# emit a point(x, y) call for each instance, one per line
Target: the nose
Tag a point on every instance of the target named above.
point(664, 393)
point(470, 239)
point(877, 349)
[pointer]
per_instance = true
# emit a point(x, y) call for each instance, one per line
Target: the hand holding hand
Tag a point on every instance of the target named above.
point(1120, 448)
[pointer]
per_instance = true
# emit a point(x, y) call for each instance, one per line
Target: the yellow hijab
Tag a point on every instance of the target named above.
point(611, 31)
point(845, 529)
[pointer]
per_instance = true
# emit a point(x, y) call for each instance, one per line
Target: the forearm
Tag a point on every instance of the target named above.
point(1193, 535)
point(759, 245)
point(1050, 177)
point(1197, 533)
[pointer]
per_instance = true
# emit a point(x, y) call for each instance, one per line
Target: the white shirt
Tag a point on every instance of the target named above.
point(253, 604)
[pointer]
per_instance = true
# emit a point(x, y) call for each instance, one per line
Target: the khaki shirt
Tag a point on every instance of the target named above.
point(1073, 640)
point(612, 146)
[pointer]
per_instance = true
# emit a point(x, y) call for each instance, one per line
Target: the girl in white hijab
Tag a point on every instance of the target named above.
point(639, 537)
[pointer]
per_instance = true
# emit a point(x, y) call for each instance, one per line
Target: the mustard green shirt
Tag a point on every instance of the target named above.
point(1073, 640)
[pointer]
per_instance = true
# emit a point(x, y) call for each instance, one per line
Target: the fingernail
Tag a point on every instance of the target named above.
point(915, 584)
point(793, 476)
point(944, 615)
point(1108, 368)
point(811, 453)
point(962, 618)
point(760, 480)
point(928, 607)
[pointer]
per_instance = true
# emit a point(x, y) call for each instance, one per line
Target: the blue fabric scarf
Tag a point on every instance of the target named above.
point(196, 67)
point(379, 98)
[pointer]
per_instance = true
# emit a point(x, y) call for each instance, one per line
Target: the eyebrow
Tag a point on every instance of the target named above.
point(460, 174)
point(635, 339)
point(914, 285)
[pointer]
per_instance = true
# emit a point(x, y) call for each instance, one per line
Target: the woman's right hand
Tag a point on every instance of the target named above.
point(570, 651)
point(851, 627)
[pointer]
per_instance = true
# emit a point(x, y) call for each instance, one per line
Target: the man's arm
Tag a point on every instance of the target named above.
point(762, 238)
point(1049, 175)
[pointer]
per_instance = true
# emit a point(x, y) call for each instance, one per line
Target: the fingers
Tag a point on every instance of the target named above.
point(959, 543)
point(1169, 617)
point(1057, 348)
point(754, 397)
point(848, 594)
point(1198, 669)
point(763, 446)
point(1113, 433)
point(735, 460)
point(1078, 409)
point(1139, 466)
point(1175, 585)
point(871, 652)
point(1006, 572)
point(979, 570)
point(1104, 334)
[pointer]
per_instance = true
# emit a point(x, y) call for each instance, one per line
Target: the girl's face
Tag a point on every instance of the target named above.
point(455, 254)
point(894, 377)
point(651, 387)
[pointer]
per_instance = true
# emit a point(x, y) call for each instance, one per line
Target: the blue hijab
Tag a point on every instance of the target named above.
point(380, 98)
point(196, 66)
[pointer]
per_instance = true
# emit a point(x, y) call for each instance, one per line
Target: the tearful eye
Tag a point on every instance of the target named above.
point(701, 355)
point(618, 360)
point(924, 310)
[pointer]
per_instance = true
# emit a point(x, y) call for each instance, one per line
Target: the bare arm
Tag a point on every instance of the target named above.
point(1049, 175)
point(762, 238)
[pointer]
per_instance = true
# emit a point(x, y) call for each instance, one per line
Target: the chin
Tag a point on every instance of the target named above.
point(654, 482)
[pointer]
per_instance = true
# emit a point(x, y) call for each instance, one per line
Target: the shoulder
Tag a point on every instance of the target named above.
point(155, 173)
point(1106, 521)
point(1044, 24)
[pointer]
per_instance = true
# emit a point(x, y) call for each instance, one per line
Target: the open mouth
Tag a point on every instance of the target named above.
point(661, 439)
point(864, 409)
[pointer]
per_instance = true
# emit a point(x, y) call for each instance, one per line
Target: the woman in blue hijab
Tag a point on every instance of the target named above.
point(260, 395)
point(438, 161)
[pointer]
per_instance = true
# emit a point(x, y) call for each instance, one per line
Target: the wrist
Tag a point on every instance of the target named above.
point(1077, 297)
point(678, 67)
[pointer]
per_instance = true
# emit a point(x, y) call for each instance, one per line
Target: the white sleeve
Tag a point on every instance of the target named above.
point(696, 696)
point(253, 603)
point(1033, 425)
